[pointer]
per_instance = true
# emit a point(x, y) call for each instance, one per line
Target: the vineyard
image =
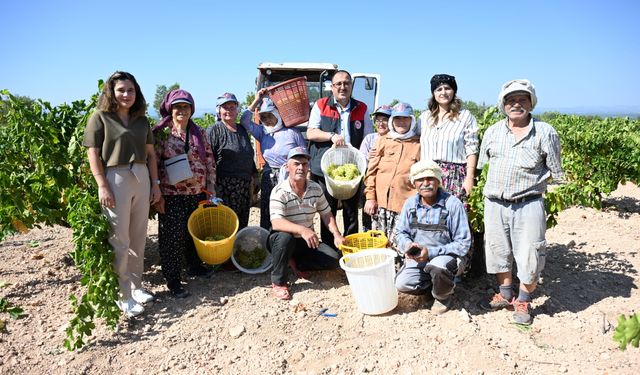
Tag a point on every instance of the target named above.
point(45, 182)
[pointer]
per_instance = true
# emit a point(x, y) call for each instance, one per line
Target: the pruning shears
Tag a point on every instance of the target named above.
point(211, 199)
point(324, 312)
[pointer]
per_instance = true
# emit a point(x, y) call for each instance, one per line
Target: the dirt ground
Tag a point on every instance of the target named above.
point(232, 325)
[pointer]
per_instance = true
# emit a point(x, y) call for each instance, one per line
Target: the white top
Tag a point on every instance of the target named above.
point(449, 141)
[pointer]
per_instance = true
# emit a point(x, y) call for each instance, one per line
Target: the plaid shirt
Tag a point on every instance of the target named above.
point(520, 168)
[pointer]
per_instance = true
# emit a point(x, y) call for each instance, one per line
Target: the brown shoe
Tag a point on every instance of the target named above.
point(497, 302)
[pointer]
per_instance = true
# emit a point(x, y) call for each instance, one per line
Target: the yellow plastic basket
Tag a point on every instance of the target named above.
point(373, 239)
point(208, 221)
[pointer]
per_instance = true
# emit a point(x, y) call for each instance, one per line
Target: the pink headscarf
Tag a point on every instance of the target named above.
point(165, 112)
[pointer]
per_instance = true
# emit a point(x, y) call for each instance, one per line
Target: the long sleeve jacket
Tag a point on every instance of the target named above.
point(387, 178)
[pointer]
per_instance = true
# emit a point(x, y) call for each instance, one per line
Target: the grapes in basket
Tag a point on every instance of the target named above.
point(250, 259)
point(345, 172)
point(216, 237)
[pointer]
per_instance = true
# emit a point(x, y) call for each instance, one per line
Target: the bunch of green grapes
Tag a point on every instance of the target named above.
point(250, 259)
point(345, 172)
point(628, 331)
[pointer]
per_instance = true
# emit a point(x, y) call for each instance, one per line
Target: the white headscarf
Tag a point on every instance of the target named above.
point(268, 107)
point(402, 110)
point(413, 130)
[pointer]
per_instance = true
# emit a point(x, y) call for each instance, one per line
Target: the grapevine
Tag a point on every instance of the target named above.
point(597, 154)
point(8, 307)
point(45, 179)
point(627, 331)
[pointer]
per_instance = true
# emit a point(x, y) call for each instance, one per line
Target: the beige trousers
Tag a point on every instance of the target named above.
point(128, 234)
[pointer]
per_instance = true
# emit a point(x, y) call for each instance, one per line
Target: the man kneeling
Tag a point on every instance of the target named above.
point(293, 204)
point(433, 235)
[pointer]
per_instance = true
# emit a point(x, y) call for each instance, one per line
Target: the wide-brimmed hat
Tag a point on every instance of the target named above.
point(514, 86)
point(425, 168)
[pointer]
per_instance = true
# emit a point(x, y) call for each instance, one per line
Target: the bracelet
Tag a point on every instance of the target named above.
point(157, 182)
point(331, 135)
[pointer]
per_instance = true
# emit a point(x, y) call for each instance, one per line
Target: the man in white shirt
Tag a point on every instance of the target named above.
point(337, 120)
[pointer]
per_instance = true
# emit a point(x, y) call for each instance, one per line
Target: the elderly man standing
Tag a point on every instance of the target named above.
point(337, 120)
point(433, 235)
point(522, 153)
point(293, 204)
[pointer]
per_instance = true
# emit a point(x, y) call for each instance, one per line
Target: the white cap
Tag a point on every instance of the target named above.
point(523, 85)
point(425, 168)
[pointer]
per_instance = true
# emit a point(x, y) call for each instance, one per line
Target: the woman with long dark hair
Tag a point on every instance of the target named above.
point(449, 136)
point(123, 163)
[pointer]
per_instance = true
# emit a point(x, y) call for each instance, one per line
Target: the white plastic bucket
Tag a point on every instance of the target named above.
point(371, 274)
point(343, 155)
point(250, 238)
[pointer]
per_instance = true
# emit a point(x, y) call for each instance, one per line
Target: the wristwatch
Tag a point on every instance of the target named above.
point(331, 134)
point(157, 182)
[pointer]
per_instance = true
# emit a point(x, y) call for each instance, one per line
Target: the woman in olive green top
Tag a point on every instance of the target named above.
point(123, 161)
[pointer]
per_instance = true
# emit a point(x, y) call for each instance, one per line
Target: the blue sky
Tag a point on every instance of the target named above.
point(578, 54)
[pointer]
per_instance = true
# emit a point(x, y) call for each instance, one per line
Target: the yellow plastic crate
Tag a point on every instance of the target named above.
point(373, 239)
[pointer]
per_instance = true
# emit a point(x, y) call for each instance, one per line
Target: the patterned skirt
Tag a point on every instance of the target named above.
point(385, 221)
point(452, 178)
point(235, 193)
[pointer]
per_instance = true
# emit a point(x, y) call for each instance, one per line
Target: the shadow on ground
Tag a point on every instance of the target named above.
point(624, 206)
point(572, 281)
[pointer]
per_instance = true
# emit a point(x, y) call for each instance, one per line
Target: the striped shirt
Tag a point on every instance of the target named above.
point(285, 204)
point(450, 140)
point(520, 168)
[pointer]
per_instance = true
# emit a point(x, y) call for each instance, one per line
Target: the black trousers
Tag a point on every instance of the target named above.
point(284, 245)
point(175, 241)
point(366, 218)
point(349, 212)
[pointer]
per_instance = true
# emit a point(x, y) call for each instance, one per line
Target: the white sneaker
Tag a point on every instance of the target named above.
point(130, 307)
point(142, 296)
